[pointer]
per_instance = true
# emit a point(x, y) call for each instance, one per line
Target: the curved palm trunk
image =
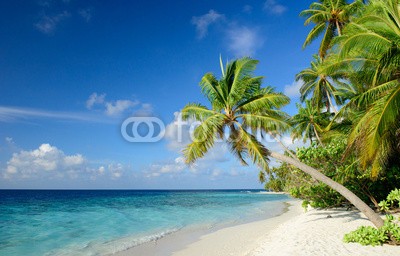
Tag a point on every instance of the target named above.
point(338, 28)
point(316, 135)
point(283, 145)
point(357, 202)
point(331, 104)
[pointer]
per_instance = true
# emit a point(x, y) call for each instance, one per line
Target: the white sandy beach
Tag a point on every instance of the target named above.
point(293, 233)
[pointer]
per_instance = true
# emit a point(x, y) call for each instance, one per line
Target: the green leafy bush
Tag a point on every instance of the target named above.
point(392, 201)
point(366, 236)
point(388, 233)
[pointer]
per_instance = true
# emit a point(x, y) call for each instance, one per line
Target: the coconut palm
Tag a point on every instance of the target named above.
point(329, 17)
point(318, 80)
point(239, 103)
point(309, 123)
point(374, 39)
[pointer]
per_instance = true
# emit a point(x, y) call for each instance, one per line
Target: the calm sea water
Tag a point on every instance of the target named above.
point(83, 222)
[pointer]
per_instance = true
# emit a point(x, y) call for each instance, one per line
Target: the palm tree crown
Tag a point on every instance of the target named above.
point(329, 16)
point(319, 81)
point(239, 103)
point(309, 123)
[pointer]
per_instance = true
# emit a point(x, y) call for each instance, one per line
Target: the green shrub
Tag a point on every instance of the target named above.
point(366, 236)
point(388, 233)
point(392, 201)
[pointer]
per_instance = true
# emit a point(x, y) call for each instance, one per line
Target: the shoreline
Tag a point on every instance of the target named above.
point(294, 232)
point(178, 243)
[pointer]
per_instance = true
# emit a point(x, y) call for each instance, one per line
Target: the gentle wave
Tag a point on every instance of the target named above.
point(111, 247)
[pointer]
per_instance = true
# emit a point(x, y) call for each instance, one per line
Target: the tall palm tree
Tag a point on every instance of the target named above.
point(309, 123)
point(318, 81)
point(374, 38)
point(238, 103)
point(329, 17)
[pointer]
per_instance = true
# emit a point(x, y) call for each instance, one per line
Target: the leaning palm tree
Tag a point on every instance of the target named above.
point(374, 41)
point(329, 16)
point(318, 81)
point(309, 123)
point(238, 104)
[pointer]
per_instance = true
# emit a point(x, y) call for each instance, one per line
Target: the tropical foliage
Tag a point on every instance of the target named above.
point(309, 123)
point(319, 82)
point(371, 45)
point(358, 68)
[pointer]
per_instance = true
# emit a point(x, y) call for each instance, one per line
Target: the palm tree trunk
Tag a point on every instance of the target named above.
point(355, 200)
point(316, 135)
point(330, 103)
point(283, 145)
point(338, 28)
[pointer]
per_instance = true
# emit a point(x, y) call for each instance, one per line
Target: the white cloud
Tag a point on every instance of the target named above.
point(73, 160)
point(47, 24)
point(116, 170)
point(12, 114)
point(293, 90)
point(243, 41)
point(49, 162)
point(95, 99)
point(119, 106)
point(146, 109)
point(170, 167)
point(203, 22)
point(272, 6)
point(240, 40)
point(46, 158)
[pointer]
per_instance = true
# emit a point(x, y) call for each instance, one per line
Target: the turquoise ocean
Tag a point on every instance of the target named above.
point(100, 222)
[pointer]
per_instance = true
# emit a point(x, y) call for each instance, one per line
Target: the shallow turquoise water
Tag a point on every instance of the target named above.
point(97, 222)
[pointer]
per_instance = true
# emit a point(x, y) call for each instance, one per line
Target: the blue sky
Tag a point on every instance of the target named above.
point(72, 71)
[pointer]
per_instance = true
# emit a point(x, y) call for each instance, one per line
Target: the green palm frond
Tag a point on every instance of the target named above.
point(267, 101)
point(258, 153)
point(236, 146)
point(271, 122)
point(196, 111)
point(203, 137)
point(211, 89)
point(237, 83)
